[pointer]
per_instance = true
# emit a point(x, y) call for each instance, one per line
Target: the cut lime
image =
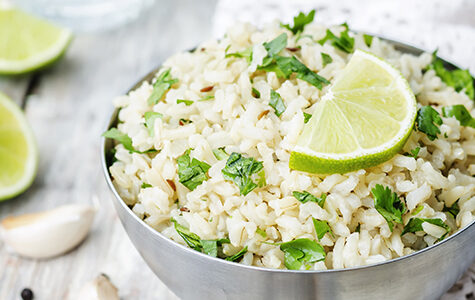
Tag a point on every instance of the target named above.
point(18, 152)
point(363, 120)
point(28, 43)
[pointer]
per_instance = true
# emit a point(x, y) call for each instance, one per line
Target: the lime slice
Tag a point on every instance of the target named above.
point(28, 43)
point(363, 120)
point(18, 152)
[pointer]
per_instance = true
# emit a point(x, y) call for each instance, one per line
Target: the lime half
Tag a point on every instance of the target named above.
point(363, 120)
point(18, 152)
point(28, 43)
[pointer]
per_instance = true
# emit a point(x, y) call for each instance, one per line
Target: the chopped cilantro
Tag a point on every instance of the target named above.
point(428, 120)
point(124, 139)
point(261, 232)
point(460, 113)
point(414, 152)
point(301, 252)
point(239, 169)
point(273, 48)
point(415, 225)
point(255, 93)
point(191, 172)
point(453, 210)
point(150, 117)
point(276, 103)
point(261, 182)
point(305, 197)
point(306, 117)
point(300, 21)
point(326, 59)
point(238, 255)
point(458, 79)
point(368, 39)
point(211, 247)
point(163, 83)
point(220, 154)
point(388, 204)
point(145, 185)
point(417, 210)
point(247, 54)
point(321, 227)
point(187, 102)
point(344, 42)
point(206, 98)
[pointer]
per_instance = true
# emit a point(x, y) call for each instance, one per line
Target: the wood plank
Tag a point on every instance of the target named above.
point(68, 112)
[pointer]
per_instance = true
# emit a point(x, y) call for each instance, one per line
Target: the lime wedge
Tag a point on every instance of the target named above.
point(28, 43)
point(363, 120)
point(18, 152)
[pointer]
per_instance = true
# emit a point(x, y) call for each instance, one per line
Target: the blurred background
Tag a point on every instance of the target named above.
point(117, 42)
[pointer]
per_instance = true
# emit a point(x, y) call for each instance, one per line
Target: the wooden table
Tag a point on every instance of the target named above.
point(68, 107)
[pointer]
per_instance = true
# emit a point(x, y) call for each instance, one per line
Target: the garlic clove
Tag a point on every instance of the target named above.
point(49, 233)
point(99, 289)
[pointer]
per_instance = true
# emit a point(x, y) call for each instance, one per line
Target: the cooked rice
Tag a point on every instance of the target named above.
point(442, 173)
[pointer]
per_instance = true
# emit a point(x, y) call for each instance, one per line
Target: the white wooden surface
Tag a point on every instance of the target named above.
point(68, 107)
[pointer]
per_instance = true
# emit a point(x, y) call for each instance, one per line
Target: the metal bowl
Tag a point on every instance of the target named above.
point(425, 274)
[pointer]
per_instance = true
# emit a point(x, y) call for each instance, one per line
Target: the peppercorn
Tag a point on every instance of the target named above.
point(27, 294)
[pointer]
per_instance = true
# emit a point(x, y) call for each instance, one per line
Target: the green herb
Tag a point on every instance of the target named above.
point(358, 228)
point(163, 83)
point(277, 103)
point(150, 117)
point(211, 247)
point(321, 227)
point(458, 79)
point(122, 138)
point(417, 210)
point(220, 154)
point(306, 117)
point(191, 172)
point(453, 210)
point(261, 232)
point(388, 204)
point(414, 152)
point(344, 42)
point(187, 102)
point(305, 197)
point(255, 93)
point(301, 251)
point(192, 240)
point(460, 113)
point(300, 21)
point(247, 54)
point(239, 169)
point(273, 48)
point(145, 185)
point(206, 98)
point(238, 255)
point(368, 39)
point(326, 59)
point(415, 225)
point(428, 120)
point(261, 182)
point(184, 121)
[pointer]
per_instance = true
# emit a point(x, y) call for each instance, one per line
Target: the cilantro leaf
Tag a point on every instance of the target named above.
point(427, 121)
point(326, 59)
point(206, 98)
point(255, 93)
point(460, 113)
point(191, 172)
point(417, 210)
point(368, 39)
point(300, 21)
point(239, 169)
point(123, 139)
point(458, 79)
point(261, 232)
point(273, 48)
point(211, 247)
point(220, 154)
point(413, 153)
point(305, 196)
point(301, 251)
point(306, 117)
point(453, 210)
point(388, 204)
point(145, 185)
point(276, 103)
point(415, 225)
point(321, 227)
point(238, 255)
point(192, 240)
point(163, 83)
point(261, 182)
point(187, 102)
point(247, 54)
point(344, 42)
point(150, 117)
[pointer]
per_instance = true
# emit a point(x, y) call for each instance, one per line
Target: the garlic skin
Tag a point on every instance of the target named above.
point(99, 289)
point(49, 233)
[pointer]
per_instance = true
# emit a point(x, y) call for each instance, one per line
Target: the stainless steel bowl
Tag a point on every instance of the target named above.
point(425, 274)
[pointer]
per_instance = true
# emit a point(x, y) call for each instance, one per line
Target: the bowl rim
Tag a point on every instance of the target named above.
point(400, 46)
